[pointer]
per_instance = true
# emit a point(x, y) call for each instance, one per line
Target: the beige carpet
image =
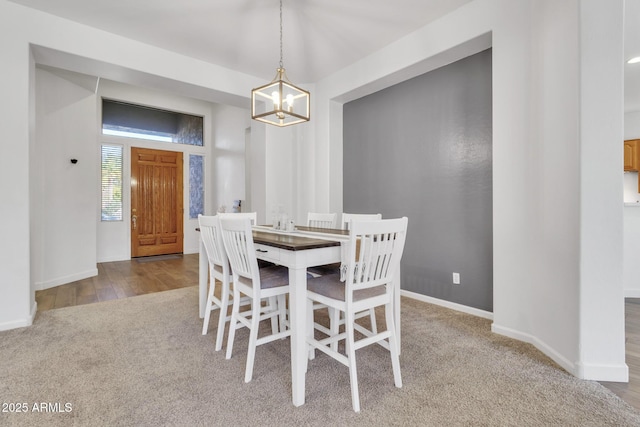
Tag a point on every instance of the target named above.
point(142, 361)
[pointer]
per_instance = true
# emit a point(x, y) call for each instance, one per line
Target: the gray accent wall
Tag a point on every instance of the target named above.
point(422, 149)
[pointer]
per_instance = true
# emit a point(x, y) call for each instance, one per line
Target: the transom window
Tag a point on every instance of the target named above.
point(138, 121)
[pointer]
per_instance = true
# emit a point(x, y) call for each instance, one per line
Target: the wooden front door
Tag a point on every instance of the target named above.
point(156, 202)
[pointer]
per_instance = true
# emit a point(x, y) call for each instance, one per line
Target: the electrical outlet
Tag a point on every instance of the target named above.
point(456, 278)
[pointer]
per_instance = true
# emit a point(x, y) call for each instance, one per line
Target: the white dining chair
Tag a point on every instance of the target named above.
point(336, 321)
point(219, 272)
point(270, 283)
point(348, 217)
point(253, 216)
point(321, 220)
point(374, 253)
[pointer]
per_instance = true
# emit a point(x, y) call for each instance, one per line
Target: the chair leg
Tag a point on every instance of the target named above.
point(234, 321)
point(253, 338)
point(274, 321)
point(207, 313)
point(222, 319)
point(310, 332)
point(334, 326)
point(351, 355)
point(393, 345)
point(372, 318)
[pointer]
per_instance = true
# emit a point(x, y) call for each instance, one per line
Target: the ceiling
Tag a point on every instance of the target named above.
point(319, 36)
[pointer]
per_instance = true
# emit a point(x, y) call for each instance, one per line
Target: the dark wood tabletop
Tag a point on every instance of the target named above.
point(293, 242)
point(323, 230)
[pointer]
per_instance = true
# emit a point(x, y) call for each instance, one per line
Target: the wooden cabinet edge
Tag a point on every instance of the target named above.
point(633, 166)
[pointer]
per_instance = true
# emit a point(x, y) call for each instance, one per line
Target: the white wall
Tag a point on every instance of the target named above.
point(64, 206)
point(552, 184)
point(280, 185)
point(256, 162)
point(228, 126)
point(17, 305)
point(548, 196)
point(35, 163)
point(601, 121)
point(632, 125)
point(631, 272)
point(630, 183)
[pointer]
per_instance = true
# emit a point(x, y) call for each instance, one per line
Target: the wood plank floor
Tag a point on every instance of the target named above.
point(155, 274)
point(124, 279)
point(630, 392)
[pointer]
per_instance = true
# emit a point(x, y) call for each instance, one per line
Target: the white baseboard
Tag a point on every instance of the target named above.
point(127, 257)
point(21, 323)
point(65, 279)
point(34, 310)
point(15, 324)
point(448, 304)
point(124, 257)
point(537, 343)
point(615, 373)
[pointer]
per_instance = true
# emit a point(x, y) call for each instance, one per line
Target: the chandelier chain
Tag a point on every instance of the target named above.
point(281, 63)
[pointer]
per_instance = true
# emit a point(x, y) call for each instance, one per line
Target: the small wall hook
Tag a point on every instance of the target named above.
point(74, 161)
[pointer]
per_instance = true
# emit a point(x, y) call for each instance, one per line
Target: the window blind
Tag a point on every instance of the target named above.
point(111, 171)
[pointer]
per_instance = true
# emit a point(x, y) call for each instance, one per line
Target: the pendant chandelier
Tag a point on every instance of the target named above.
point(280, 103)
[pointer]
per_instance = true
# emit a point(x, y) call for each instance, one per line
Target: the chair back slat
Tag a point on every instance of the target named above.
point(321, 220)
point(238, 241)
point(212, 240)
point(375, 250)
point(253, 216)
point(348, 217)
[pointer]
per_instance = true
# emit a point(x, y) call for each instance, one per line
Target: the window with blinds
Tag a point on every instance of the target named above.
point(111, 172)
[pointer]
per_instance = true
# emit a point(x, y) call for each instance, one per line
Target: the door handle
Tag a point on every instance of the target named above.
point(134, 220)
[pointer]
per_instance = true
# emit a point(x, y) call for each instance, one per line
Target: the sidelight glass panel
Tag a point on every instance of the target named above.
point(196, 185)
point(111, 172)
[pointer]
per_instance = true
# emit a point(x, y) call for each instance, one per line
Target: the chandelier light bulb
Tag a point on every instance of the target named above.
point(276, 99)
point(290, 102)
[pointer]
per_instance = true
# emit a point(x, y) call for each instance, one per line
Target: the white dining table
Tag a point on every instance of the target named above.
point(298, 250)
